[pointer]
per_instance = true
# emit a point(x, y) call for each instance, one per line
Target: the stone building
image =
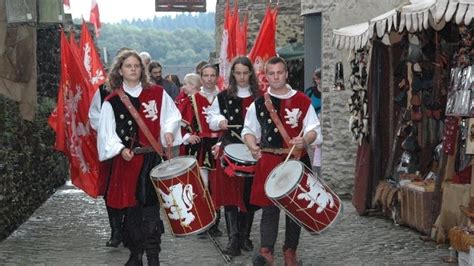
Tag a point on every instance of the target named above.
point(311, 22)
point(30, 170)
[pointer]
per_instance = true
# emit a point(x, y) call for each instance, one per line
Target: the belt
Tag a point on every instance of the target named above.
point(209, 135)
point(279, 151)
point(142, 150)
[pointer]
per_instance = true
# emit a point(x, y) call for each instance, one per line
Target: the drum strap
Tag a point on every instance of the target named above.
point(276, 119)
point(141, 124)
point(231, 168)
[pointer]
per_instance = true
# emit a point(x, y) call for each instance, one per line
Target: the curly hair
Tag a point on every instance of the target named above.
point(116, 80)
point(232, 89)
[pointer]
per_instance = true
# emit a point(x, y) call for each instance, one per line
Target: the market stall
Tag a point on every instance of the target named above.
point(411, 108)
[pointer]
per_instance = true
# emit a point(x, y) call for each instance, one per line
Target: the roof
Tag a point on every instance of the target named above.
point(417, 15)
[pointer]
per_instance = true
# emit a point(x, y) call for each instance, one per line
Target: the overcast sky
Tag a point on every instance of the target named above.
point(116, 10)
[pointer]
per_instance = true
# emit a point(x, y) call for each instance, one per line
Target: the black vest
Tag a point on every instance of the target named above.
point(271, 137)
point(126, 126)
point(231, 109)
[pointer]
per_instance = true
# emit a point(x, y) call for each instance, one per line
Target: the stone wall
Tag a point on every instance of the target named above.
point(289, 21)
point(30, 170)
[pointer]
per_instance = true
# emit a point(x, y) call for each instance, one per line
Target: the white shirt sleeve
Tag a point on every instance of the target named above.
point(214, 116)
point(170, 120)
point(94, 110)
point(251, 125)
point(108, 142)
point(311, 122)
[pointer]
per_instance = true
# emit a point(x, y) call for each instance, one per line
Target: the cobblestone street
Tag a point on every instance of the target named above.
point(72, 228)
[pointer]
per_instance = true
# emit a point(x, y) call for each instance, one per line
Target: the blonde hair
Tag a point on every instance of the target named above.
point(193, 79)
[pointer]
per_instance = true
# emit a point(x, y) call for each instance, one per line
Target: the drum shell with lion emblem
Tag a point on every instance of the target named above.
point(187, 204)
point(303, 196)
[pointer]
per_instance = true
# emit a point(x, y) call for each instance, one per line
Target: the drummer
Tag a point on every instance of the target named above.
point(227, 113)
point(266, 142)
point(129, 185)
point(201, 101)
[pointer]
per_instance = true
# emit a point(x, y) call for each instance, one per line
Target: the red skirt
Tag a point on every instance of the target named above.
point(226, 190)
point(264, 166)
point(123, 182)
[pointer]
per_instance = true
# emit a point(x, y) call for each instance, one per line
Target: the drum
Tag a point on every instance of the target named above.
point(303, 196)
point(187, 204)
point(238, 161)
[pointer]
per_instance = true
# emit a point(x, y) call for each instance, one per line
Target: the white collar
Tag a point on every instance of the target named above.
point(209, 94)
point(291, 92)
point(134, 91)
point(243, 92)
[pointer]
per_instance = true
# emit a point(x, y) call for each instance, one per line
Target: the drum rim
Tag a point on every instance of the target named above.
point(293, 187)
point(305, 226)
point(200, 230)
point(237, 159)
point(184, 170)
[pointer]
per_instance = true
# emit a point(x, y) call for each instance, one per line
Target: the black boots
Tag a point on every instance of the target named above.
point(153, 259)
point(214, 230)
point(135, 258)
point(264, 257)
point(116, 217)
point(232, 222)
point(246, 220)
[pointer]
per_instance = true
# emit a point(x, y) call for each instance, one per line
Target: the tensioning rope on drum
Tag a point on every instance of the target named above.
point(218, 246)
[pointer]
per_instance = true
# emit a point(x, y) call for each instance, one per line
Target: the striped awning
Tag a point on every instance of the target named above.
point(415, 16)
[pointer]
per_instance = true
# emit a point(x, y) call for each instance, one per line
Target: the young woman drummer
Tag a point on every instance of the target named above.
point(227, 113)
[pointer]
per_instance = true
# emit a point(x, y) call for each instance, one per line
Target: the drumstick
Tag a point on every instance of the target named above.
point(232, 133)
point(234, 126)
point(291, 150)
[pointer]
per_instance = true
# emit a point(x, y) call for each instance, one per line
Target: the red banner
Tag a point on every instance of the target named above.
point(94, 17)
point(241, 37)
point(71, 123)
point(264, 46)
point(91, 59)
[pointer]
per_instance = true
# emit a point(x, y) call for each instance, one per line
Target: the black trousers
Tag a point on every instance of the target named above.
point(144, 227)
point(269, 229)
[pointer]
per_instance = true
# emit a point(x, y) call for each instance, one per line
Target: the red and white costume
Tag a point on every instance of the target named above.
point(228, 190)
point(296, 113)
point(117, 129)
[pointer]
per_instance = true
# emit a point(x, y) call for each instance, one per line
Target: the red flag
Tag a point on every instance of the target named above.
point(73, 43)
point(95, 17)
point(224, 62)
point(91, 59)
point(56, 121)
point(71, 123)
point(232, 24)
point(241, 37)
point(229, 43)
point(264, 46)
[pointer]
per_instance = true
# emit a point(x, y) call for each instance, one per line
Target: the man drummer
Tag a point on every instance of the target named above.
point(300, 125)
point(227, 112)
